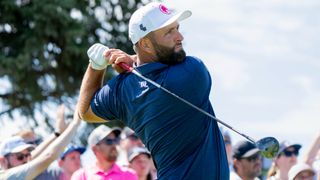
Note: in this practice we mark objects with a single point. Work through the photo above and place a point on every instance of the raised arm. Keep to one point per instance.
(313, 150)
(59, 128)
(91, 82)
(36, 166)
(93, 77)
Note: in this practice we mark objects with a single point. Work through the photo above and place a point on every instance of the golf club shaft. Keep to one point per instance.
(130, 69)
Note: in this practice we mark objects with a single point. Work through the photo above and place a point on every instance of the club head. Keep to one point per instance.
(268, 146)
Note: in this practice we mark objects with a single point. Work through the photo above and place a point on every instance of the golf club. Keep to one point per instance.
(268, 146)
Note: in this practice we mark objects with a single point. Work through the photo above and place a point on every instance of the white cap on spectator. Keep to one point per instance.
(151, 17)
(298, 168)
(101, 132)
(13, 144)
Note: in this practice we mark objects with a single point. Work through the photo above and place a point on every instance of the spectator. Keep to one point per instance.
(128, 140)
(246, 161)
(103, 141)
(228, 146)
(311, 156)
(70, 161)
(15, 165)
(286, 158)
(140, 161)
(301, 171)
(14, 152)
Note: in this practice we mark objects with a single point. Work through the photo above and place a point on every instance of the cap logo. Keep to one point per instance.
(164, 9)
(142, 28)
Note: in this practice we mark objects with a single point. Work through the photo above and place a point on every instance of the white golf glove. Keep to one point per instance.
(96, 56)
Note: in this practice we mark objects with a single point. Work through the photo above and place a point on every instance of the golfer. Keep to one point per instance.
(184, 143)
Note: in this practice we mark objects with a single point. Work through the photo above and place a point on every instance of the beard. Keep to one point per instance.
(112, 155)
(167, 55)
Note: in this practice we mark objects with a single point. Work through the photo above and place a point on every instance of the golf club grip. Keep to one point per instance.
(125, 66)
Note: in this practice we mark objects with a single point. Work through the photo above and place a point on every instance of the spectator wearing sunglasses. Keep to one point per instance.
(246, 161)
(18, 163)
(68, 163)
(103, 141)
(286, 158)
(128, 141)
(14, 152)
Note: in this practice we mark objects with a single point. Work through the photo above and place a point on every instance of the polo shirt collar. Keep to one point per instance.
(150, 67)
(115, 168)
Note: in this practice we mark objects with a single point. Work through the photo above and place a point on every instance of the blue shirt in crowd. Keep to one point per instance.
(184, 143)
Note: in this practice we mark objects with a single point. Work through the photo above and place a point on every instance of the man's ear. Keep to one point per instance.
(94, 149)
(235, 162)
(146, 45)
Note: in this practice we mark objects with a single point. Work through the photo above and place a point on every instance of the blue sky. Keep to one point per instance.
(264, 59)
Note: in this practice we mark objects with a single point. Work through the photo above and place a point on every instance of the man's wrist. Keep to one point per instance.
(57, 134)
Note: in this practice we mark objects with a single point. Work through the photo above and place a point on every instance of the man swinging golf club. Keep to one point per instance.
(184, 143)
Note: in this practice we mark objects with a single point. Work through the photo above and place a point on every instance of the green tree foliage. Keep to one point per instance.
(43, 46)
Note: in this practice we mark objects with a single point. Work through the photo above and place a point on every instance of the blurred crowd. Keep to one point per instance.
(246, 162)
(118, 153)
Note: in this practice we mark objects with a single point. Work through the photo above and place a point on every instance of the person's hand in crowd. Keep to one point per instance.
(61, 124)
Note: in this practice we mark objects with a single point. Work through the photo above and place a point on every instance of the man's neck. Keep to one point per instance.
(105, 166)
(282, 175)
(144, 58)
(242, 176)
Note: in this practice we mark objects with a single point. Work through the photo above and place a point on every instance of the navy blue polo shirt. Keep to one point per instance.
(184, 143)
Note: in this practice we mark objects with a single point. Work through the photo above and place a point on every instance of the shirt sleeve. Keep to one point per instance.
(105, 103)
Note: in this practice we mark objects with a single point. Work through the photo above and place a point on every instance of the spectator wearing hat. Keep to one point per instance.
(14, 152)
(301, 171)
(140, 161)
(312, 156)
(286, 158)
(103, 141)
(129, 140)
(246, 161)
(68, 162)
(18, 163)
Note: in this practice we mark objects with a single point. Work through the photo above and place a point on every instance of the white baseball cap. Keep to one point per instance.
(13, 144)
(298, 168)
(100, 133)
(151, 17)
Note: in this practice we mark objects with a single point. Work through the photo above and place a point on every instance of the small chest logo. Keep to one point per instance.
(164, 9)
(143, 84)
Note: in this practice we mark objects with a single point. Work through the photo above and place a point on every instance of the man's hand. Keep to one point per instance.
(116, 56)
(60, 122)
(101, 56)
(96, 58)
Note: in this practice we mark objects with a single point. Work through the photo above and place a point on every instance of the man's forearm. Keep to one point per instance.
(53, 151)
(91, 82)
(313, 150)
